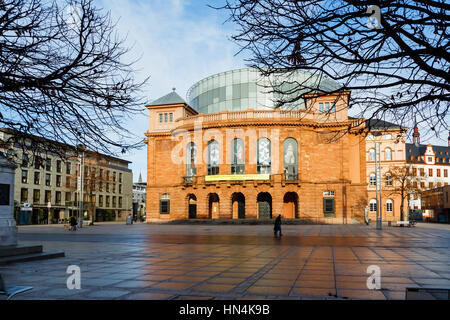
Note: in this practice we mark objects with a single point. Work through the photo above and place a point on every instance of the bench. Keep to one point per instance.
(405, 223)
(10, 292)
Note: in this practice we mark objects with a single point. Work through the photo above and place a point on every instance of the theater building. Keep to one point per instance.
(236, 161)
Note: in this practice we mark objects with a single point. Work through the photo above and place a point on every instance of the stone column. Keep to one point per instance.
(8, 228)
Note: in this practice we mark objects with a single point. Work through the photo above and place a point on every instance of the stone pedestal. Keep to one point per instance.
(8, 229)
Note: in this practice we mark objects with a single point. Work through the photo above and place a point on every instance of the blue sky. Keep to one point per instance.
(179, 42)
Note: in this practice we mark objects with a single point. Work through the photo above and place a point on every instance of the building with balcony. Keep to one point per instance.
(256, 163)
(47, 185)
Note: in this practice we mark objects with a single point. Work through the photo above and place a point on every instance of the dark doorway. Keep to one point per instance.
(290, 205)
(238, 202)
(264, 205)
(192, 203)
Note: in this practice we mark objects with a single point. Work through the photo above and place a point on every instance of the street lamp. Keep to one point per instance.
(378, 177)
(81, 148)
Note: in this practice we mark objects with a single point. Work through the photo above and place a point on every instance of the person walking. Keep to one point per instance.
(277, 226)
(73, 224)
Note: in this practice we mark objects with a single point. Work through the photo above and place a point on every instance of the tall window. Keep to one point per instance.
(387, 154)
(264, 156)
(290, 159)
(213, 157)
(191, 154)
(164, 204)
(48, 164)
(58, 181)
(48, 196)
(373, 179)
(388, 180)
(373, 205)
(24, 176)
(36, 196)
(48, 179)
(58, 197)
(36, 177)
(25, 160)
(58, 166)
(389, 205)
(328, 204)
(37, 162)
(372, 155)
(24, 195)
(430, 172)
(68, 168)
(237, 156)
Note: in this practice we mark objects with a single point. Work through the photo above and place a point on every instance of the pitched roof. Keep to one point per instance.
(419, 150)
(170, 98)
(377, 124)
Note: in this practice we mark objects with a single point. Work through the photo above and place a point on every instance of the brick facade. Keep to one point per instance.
(330, 165)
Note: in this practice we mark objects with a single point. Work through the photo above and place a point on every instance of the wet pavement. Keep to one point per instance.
(233, 262)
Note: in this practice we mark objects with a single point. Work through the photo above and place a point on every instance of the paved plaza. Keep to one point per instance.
(162, 262)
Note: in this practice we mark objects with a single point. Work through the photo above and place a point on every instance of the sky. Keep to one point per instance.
(179, 42)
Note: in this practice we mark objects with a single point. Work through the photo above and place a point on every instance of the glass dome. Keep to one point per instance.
(247, 88)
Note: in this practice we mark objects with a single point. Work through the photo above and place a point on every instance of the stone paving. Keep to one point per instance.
(233, 262)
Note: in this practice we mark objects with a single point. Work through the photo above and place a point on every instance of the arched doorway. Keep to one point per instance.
(264, 205)
(238, 202)
(290, 205)
(192, 205)
(213, 206)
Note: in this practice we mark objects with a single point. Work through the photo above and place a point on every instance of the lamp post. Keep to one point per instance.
(80, 186)
(378, 177)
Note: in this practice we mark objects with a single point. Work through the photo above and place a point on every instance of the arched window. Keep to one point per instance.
(388, 179)
(290, 159)
(191, 153)
(237, 156)
(389, 205)
(213, 157)
(373, 205)
(264, 156)
(388, 154)
(372, 155)
(373, 179)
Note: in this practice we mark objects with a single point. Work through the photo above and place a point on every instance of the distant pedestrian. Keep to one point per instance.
(73, 224)
(277, 226)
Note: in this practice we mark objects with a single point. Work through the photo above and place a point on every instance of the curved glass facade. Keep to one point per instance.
(244, 89)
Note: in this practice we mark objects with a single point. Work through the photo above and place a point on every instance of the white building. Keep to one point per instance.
(139, 197)
(431, 163)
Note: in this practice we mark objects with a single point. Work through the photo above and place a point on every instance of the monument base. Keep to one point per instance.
(8, 232)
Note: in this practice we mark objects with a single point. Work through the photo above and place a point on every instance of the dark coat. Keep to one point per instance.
(73, 221)
(277, 224)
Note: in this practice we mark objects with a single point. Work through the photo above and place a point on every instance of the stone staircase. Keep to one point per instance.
(13, 254)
